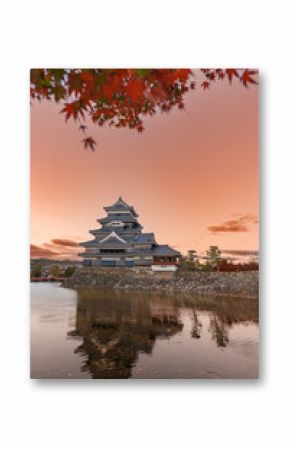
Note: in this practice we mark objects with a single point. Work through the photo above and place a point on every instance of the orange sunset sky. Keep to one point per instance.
(192, 175)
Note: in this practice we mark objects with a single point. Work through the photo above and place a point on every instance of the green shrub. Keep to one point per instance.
(36, 272)
(69, 271)
(55, 271)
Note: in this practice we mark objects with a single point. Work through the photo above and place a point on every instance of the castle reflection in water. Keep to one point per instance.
(114, 329)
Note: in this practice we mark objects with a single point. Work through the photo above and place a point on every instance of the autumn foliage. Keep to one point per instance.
(224, 265)
(121, 98)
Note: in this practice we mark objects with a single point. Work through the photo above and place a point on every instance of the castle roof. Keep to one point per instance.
(122, 206)
(165, 250)
(148, 237)
(124, 217)
(121, 232)
(88, 244)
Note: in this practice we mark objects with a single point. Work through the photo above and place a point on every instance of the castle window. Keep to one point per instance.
(115, 223)
(111, 251)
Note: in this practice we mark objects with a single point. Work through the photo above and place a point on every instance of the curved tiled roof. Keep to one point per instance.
(125, 218)
(128, 238)
(121, 205)
(88, 243)
(148, 237)
(165, 250)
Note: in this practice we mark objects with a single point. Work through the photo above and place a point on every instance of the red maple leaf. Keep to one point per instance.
(89, 142)
(74, 83)
(119, 97)
(246, 77)
(210, 76)
(73, 109)
(135, 89)
(220, 74)
(140, 127)
(205, 85)
(183, 74)
(231, 73)
(86, 76)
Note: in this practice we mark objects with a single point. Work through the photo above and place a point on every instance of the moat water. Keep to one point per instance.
(80, 334)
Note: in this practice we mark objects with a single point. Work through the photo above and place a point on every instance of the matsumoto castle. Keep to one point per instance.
(120, 242)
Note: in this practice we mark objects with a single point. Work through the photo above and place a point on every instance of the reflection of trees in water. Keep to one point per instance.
(224, 313)
(196, 325)
(219, 330)
(116, 329)
(217, 327)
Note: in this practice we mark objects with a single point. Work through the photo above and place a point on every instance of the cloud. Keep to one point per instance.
(61, 250)
(64, 242)
(55, 249)
(40, 252)
(240, 252)
(228, 226)
(242, 223)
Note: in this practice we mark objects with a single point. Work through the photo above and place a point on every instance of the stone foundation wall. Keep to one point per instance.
(223, 283)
